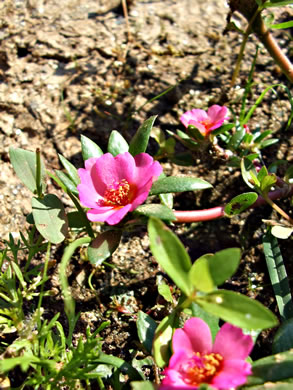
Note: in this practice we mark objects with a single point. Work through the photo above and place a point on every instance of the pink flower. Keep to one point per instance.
(205, 122)
(112, 186)
(196, 360)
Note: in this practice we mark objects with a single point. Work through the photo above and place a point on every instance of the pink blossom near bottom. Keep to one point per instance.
(113, 186)
(197, 360)
(204, 121)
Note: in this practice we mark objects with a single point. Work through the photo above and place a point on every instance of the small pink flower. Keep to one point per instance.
(196, 360)
(204, 121)
(112, 186)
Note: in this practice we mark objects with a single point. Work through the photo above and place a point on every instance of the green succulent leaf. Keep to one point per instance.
(210, 271)
(178, 184)
(162, 339)
(156, 210)
(272, 369)
(71, 170)
(24, 165)
(140, 140)
(237, 309)
(170, 254)
(69, 184)
(117, 144)
(283, 340)
(103, 246)
(143, 385)
(50, 218)
(89, 148)
(240, 203)
(146, 328)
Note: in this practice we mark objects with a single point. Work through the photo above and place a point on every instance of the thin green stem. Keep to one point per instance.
(38, 174)
(278, 209)
(242, 47)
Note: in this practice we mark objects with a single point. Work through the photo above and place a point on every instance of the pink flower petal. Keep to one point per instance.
(146, 169)
(217, 115)
(232, 343)
(87, 191)
(234, 373)
(108, 214)
(194, 336)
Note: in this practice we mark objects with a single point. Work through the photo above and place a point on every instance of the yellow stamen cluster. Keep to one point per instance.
(202, 369)
(117, 194)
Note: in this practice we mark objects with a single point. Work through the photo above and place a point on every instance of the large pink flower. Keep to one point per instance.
(205, 122)
(196, 360)
(112, 186)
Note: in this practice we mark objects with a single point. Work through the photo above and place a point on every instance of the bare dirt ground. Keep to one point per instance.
(70, 69)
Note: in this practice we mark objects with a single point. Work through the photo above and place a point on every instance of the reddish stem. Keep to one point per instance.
(217, 212)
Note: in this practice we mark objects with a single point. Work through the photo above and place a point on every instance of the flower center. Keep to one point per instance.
(207, 123)
(201, 368)
(118, 194)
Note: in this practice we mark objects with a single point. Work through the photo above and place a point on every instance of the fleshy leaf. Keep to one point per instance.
(89, 148)
(210, 271)
(24, 165)
(272, 369)
(117, 144)
(67, 182)
(283, 340)
(50, 218)
(178, 184)
(162, 340)
(71, 170)
(156, 210)
(103, 246)
(143, 385)
(240, 203)
(237, 309)
(140, 140)
(200, 276)
(170, 254)
(146, 328)
(164, 290)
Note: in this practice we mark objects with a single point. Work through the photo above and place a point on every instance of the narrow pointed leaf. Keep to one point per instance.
(89, 148)
(67, 182)
(117, 144)
(170, 254)
(103, 246)
(50, 218)
(140, 140)
(237, 309)
(24, 165)
(178, 184)
(71, 170)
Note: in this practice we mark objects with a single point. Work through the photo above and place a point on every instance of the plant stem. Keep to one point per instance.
(273, 48)
(217, 212)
